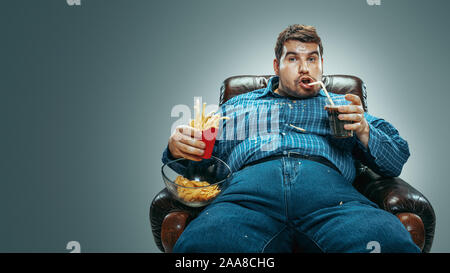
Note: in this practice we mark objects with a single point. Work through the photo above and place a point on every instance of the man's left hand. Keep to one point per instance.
(355, 113)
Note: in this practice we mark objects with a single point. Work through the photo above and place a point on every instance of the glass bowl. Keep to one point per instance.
(196, 183)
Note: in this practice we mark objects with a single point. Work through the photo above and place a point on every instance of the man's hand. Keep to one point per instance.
(355, 112)
(186, 142)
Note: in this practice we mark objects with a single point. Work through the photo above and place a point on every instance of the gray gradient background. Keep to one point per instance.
(86, 95)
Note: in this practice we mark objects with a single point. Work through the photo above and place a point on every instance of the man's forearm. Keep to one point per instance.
(385, 150)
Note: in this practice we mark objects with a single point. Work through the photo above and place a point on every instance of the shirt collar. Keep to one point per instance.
(273, 85)
(322, 93)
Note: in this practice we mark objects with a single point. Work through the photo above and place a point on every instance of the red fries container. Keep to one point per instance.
(209, 138)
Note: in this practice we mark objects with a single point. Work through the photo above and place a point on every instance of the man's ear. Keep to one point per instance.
(276, 67)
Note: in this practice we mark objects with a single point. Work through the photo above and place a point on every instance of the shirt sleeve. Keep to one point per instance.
(387, 152)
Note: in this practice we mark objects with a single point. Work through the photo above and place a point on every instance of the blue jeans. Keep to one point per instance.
(292, 203)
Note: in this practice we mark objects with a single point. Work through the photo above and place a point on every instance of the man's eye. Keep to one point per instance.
(312, 59)
(291, 59)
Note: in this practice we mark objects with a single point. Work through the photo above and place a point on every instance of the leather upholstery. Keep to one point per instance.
(398, 197)
(162, 205)
(168, 217)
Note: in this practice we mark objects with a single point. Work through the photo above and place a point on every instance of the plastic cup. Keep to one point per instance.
(209, 138)
(337, 125)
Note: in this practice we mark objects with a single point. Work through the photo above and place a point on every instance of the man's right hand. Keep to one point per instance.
(186, 142)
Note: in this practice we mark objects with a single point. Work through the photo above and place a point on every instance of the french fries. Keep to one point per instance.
(204, 122)
(195, 195)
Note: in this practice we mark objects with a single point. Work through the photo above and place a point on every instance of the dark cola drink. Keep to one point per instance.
(337, 125)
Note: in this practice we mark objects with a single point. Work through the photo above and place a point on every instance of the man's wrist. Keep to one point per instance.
(364, 135)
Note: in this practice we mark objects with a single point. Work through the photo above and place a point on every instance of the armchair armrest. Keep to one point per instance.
(168, 218)
(401, 199)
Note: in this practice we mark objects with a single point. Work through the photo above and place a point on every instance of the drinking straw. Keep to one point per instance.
(324, 89)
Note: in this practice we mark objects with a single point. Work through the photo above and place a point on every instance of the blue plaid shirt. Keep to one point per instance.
(260, 126)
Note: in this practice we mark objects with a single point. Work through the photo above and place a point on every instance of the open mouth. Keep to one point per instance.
(305, 81)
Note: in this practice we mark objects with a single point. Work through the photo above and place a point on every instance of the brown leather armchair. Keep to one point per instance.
(168, 217)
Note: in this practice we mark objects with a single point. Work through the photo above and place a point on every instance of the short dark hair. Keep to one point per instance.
(302, 33)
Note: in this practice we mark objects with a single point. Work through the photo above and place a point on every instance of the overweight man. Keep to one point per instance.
(292, 187)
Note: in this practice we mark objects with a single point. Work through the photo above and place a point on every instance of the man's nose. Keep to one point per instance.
(303, 67)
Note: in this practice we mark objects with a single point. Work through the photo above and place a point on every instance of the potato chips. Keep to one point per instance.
(191, 194)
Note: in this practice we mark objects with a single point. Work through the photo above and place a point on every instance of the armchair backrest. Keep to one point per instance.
(339, 84)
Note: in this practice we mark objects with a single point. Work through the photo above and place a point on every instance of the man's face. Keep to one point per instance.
(300, 64)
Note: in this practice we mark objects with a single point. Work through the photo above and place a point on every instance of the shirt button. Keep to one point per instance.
(284, 152)
(283, 133)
